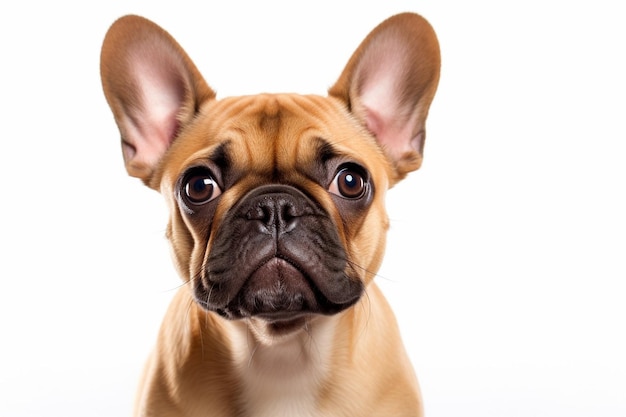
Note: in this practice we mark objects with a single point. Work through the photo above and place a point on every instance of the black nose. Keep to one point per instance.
(277, 209)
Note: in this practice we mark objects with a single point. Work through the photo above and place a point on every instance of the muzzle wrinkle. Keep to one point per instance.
(288, 258)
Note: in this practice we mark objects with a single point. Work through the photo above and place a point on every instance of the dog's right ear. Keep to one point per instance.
(152, 87)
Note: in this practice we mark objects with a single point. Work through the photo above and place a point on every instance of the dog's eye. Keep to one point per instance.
(200, 187)
(350, 182)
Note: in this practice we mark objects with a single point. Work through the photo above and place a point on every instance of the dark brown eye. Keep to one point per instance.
(350, 182)
(200, 187)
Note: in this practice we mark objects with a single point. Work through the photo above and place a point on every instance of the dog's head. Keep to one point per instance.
(276, 201)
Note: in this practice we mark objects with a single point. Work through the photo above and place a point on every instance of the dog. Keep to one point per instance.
(277, 225)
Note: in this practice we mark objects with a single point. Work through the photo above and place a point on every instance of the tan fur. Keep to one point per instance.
(351, 363)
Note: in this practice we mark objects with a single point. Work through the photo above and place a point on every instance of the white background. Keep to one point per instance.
(507, 256)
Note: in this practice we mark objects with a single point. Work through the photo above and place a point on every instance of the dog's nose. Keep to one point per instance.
(277, 210)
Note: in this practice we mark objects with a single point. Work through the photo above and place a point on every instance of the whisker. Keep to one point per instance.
(253, 350)
(176, 287)
(366, 271)
(367, 312)
(312, 343)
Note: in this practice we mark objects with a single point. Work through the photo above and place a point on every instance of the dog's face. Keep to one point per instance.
(277, 206)
(276, 201)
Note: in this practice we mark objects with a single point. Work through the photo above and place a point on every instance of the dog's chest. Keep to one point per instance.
(285, 379)
(279, 396)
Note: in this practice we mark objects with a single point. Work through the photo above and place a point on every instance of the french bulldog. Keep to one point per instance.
(277, 225)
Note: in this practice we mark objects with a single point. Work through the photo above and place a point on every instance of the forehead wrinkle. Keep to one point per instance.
(277, 130)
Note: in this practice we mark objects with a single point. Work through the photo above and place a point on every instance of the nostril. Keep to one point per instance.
(289, 217)
(288, 211)
(260, 212)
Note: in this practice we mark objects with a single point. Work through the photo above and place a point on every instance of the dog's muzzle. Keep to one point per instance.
(276, 256)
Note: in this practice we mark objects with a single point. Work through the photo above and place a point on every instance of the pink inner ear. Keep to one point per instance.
(384, 78)
(154, 122)
(394, 133)
(381, 94)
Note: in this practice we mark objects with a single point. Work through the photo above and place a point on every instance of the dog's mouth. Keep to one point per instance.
(281, 294)
(277, 289)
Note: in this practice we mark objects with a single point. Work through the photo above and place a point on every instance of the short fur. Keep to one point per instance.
(277, 225)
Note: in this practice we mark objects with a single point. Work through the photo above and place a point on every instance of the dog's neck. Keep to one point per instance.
(283, 376)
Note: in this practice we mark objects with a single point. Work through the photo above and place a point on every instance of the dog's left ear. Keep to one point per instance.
(389, 83)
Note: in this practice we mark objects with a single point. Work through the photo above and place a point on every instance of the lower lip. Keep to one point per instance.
(282, 317)
(287, 326)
